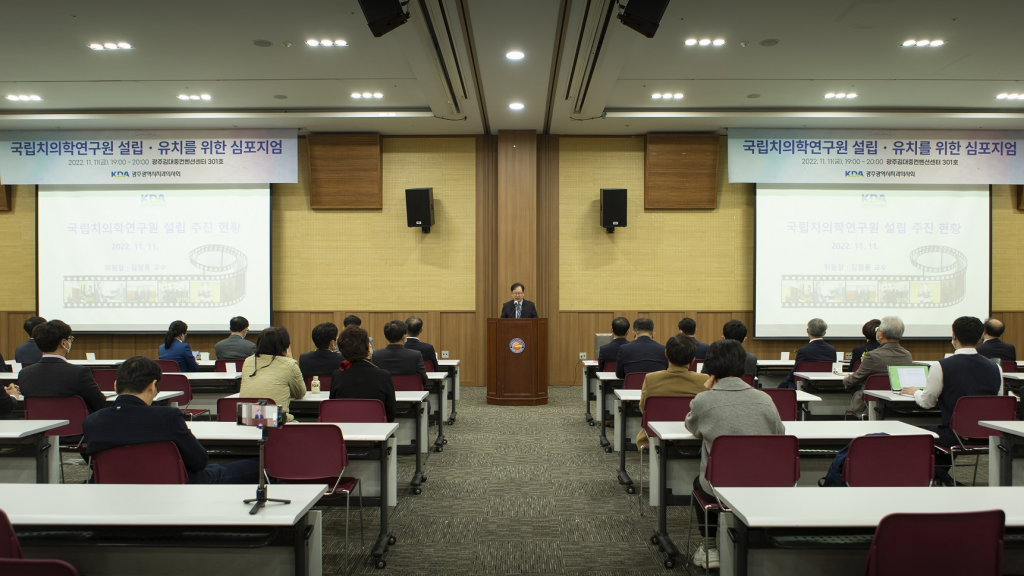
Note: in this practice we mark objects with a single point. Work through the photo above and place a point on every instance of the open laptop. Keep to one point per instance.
(901, 377)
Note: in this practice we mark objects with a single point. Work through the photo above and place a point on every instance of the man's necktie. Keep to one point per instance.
(519, 309)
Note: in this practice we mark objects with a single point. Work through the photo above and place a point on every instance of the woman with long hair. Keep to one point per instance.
(271, 372)
(175, 348)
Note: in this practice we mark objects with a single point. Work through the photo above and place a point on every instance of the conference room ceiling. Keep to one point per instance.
(445, 71)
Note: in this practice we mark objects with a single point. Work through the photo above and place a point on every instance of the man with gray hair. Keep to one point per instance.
(817, 350)
(877, 361)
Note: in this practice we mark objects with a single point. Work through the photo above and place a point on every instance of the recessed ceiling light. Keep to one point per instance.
(666, 95)
(378, 95)
(704, 41)
(327, 43)
(367, 95)
(515, 55)
(206, 97)
(677, 95)
(111, 46)
(516, 106)
(182, 96)
(23, 97)
(96, 46)
(932, 43)
(830, 95)
(193, 97)
(1013, 96)
(656, 96)
(851, 95)
(910, 42)
(840, 95)
(690, 41)
(312, 42)
(1002, 96)
(340, 43)
(937, 42)
(357, 95)
(34, 98)
(124, 45)
(718, 42)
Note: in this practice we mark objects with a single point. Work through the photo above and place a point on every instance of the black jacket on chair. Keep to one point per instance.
(508, 309)
(319, 362)
(399, 360)
(427, 350)
(641, 355)
(364, 380)
(56, 378)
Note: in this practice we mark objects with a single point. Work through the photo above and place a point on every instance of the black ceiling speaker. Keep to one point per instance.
(613, 208)
(419, 208)
(644, 16)
(383, 16)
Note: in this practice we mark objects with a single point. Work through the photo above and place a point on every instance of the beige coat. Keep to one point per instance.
(277, 378)
(676, 381)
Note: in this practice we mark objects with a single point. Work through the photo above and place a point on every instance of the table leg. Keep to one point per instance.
(418, 478)
(620, 421)
(873, 408)
(42, 459)
(442, 395)
(586, 398)
(600, 414)
(661, 537)
(741, 547)
(385, 538)
(301, 560)
(455, 394)
(1000, 459)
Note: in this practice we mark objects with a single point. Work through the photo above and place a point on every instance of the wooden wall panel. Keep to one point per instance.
(681, 171)
(18, 246)
(517, 210)
(5, 197)
(345, 171)
(547, 243)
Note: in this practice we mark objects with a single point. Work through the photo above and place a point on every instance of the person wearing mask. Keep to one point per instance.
(325, 359)
(53, 376)
(175, 348)
(29, 352)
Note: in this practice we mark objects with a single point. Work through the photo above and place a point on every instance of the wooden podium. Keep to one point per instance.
(517, 361)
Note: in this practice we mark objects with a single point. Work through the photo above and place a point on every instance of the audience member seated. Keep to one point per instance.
(325, 359)
(271, 372)
(358, 377)
(965, 373)
(610, 352)
(868, 330)
(415, 325)
(643, 354)
(677, 380)
(730, 406)
(994, 348)
(235, 346)
(29, 352)
(877, 361)
(395, 357)
(133, 420)
(737, 330)
(353, 320)
(174, 347)
(815, 351)
(688, 326)
(9, 401)
(53, 376)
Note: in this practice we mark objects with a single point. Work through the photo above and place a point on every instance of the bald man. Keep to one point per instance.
(992, 346)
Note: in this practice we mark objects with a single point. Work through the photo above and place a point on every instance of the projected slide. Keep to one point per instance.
(135, 259)
(850, 254)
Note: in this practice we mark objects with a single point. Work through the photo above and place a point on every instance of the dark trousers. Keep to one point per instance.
(710, 517)
(946, 439)
(240, 472)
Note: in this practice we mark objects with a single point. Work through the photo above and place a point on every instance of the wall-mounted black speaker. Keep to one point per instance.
(419, 208)
(644, 16)
(383, 16)
(613, 208)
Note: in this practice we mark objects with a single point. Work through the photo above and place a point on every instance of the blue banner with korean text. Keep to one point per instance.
(150, 157)
(875, 156)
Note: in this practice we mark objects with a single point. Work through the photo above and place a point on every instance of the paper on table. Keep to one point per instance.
(15, 367)
(700, 367)
(90, 355)
(229, 367)
(204, 356)
(839, 356)
(837, 367)
(784, 356)
(912, 377)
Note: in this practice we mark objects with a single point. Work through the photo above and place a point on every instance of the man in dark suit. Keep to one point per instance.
(993, 347)
(235, 346)
(53, 376)
(133, 420)
(29, 352)
(643, 354)
(688, 326)
(395, 357)
(324, 360)
(517, 307)
(815, 350)
(610, 351)
(412, 342)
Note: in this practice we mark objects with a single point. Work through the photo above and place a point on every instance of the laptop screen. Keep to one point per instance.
(901, 377)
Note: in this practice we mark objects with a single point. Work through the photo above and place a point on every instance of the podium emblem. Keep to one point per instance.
(517, 345)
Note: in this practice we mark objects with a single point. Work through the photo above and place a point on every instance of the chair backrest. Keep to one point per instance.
(352, 410)
(70, 408)
(177, 383)
(814, 366)
(635, 381)
(325, 381)
(876, 382)
(693, 365)
(148, 463)
(785, 402)
(227, 411)
(1008, 365)
(429, 365)
(105, 379)
(298, 452)
(610, 366)
(168, 366)
(407, 382)
(221, 365)
(753, 461)
(664, 409)
(884, 461)
(854, 366)
(748, 378)
(970, 409)
(958, 543)
(9, 546)
(26, 567)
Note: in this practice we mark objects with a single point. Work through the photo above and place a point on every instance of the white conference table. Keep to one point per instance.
(1001, 470)
(811, 434)
(451, 366)
(589, 388)
(888, 397)
(28, 441)
(144, 533)
(816, 511)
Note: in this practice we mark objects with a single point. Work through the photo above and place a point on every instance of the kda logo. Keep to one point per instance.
(854, 174)
(153, 200)
(873, 199)
(118, 174)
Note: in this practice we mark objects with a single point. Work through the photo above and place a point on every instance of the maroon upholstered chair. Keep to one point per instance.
(634, 381)
(179, 383)
(26, 567)
(352, 410)
(973, 542)
(972, 438)
(148, 463)
(168, 366)
(105, 379)
(9, 546)
(222, 365)
(407, 382)
(884, 461)
(785, 402)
